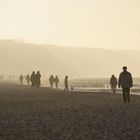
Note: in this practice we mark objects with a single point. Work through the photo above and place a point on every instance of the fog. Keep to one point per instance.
(89, 23)
(17, 58)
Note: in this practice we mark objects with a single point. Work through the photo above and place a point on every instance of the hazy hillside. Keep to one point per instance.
(78, 62)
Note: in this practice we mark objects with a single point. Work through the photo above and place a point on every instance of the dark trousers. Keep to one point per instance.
(113, 89)
(126, 94)
(66, 88)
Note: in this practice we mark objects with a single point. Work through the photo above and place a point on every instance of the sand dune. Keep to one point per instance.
(45, 114)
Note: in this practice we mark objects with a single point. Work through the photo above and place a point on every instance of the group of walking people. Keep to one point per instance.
(55, 80)
(125, 82)
(35, 80)
(26, 78)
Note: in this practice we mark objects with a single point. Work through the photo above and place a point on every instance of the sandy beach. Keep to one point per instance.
(45, 114)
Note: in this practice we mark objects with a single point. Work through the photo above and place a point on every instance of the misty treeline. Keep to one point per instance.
(17, 58)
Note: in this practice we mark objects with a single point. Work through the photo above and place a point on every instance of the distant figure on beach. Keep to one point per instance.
(125, 82)
(51, 80)
(113, 83)
(56, 81)
(38, 81)
(21, 79)
(33, 79)
(66, 84)
(27, 77)
(1, 77)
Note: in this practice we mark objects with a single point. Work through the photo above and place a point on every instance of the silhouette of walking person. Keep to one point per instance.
(56, 81)
(33, 79)
(66, 84)
(113, 83)
(38, 81)
(27, 79)
(21, 79)
(125, 82)
(51, 80)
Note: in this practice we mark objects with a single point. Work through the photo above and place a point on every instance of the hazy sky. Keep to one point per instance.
(88, 23)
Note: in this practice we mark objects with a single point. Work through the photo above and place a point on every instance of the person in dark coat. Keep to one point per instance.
(56, 81)
(125, 82)
(38, 81)
(33, 79)
(21, 79)
(27, 77)
(66, 84)
(113, 83)
(51, 80)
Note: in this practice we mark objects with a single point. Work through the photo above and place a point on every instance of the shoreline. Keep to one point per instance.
(77, 89)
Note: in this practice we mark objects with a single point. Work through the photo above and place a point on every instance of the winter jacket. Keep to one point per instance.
(125, 80)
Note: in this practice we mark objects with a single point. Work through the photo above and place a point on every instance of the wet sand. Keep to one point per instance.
(46, 114)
